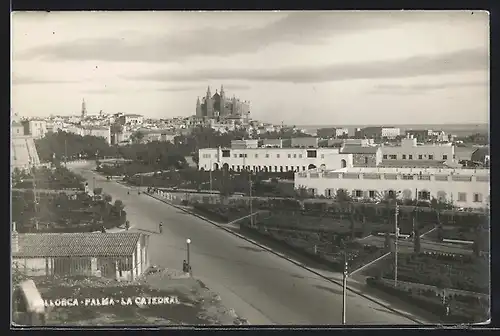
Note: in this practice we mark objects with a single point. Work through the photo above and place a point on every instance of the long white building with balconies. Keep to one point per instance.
(467, 188)
(273, 159)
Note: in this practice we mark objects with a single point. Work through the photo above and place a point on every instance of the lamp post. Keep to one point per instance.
(188, 242)
(344, 289)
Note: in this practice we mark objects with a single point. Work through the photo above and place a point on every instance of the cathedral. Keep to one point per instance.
(219, 105)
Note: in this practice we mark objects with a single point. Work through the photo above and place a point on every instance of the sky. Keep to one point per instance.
(302, 68)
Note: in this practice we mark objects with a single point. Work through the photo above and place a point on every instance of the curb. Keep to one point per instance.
(292, 261)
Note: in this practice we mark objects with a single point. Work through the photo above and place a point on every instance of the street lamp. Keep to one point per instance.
(188, 242)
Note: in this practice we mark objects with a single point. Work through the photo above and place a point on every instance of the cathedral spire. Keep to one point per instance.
(84, 108)
(209, 94)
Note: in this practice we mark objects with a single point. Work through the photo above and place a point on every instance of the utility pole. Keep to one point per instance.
(251, 205)
(396, 235)
(210, 173)
(344, 289)
(65, 153)
(35, 198)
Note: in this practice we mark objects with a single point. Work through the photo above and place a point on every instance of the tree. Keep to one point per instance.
(342, 196)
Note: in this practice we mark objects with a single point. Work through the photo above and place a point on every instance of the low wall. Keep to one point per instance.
(448, 291)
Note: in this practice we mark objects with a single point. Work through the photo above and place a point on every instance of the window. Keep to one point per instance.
(407, 177)
(294, 156)
(404, 156)
(478, 198)
(245, 155)
(393, 157)
(445, 157)
(384, 157)
(232, 167)
(277, 156)
(256, 156)
(410, 157)
(281, 169)
(462, 197)
(226, 153)
(454, 156)
(303, 168)
(420, 157)
(424, 195)
(358, 193)
(322, 156)
(366, 160)
(300, 156)
(371, 193)
(241, 155)
(275, 168)
(312, 154)
(298, 168)
(267, 156)
(235, 156)
(289, 156)
(431, 157)
(254, 169)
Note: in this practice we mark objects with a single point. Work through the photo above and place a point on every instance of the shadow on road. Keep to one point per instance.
(332, 290)
(252, 249)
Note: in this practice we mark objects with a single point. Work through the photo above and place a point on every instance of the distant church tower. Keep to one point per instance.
(199, 112)
(209, 104)
(84, 109)
(222, 107)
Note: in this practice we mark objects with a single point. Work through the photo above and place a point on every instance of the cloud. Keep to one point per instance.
(463, 60)
(298, 28)
(422, 88)
(21, 80)
(179, 88)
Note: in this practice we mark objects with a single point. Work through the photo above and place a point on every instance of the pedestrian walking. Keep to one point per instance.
(160, 227)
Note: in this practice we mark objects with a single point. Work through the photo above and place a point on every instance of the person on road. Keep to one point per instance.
(127, 225)
(184, 266)
(161, 227)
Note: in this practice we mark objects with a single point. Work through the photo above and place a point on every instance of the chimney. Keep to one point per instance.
(15, 238)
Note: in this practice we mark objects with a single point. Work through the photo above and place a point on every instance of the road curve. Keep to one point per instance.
(259, 285)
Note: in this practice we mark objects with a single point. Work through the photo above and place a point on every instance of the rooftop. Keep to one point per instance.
(359, 149)
(77, 244)
(412, 171)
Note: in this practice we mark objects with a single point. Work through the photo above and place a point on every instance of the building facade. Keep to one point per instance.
(35, 128)
(390, 132)
(131, 119)
(119, 256)
(410, 154)
(16, 129)
(272, 159)
(101, 132)
(219, 105)
(466, 188)
(363, 156)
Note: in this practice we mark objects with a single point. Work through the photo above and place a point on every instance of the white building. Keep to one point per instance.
(131, 119)
(390, 132)
(410, 154)
(339, 132)
(468, 188)
(36, 128)
(272, 159)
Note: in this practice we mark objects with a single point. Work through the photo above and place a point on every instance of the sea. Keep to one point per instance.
(456, 129)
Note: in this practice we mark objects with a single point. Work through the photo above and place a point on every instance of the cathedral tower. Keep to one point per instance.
(84, 109)
(199, 113)
(209, 104)
(222, 108)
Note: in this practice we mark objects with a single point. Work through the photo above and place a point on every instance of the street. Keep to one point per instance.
(260, 286)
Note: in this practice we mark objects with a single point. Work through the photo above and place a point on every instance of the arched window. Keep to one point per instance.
(343, 163)
(311, 166)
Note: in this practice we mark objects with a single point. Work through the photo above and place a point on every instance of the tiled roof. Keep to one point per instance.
(360, 150)
(77, 244)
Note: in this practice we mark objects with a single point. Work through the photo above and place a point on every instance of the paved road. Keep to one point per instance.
(259, 285)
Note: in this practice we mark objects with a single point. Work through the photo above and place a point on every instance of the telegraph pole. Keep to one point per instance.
(35, 199)
(396, 235)
(344, 289)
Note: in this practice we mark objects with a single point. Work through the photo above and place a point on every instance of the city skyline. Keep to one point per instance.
(299, 67)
